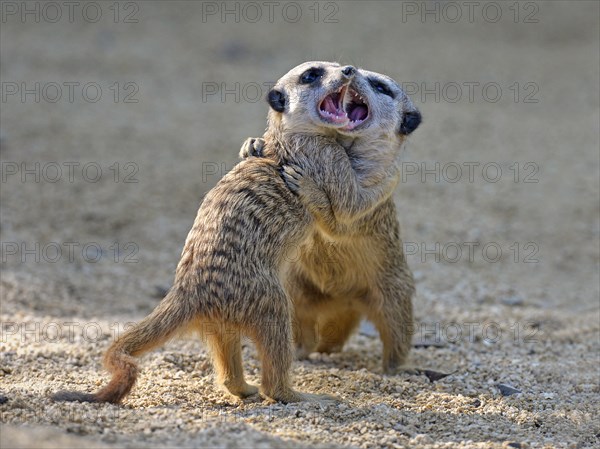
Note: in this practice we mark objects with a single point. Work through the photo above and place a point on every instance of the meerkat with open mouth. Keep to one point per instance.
(237, 258)
(353, 266)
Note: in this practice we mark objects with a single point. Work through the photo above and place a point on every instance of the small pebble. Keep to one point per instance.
(513, 300)
(512, 444)
(435, 375)
(507, 390)
(422, 439)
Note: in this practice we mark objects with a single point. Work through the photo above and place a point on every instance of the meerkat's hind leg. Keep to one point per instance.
(274, 343)
(334, 331)
(305, 333)
(394, 321)
(226, 349)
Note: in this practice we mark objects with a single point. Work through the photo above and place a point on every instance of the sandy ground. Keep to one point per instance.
(521, 308)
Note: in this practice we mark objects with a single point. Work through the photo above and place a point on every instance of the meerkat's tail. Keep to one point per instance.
(173, 312)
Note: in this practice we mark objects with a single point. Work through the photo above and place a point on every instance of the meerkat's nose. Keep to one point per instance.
(348, 71)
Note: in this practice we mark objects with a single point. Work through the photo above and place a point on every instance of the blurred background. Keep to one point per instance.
(117, 118)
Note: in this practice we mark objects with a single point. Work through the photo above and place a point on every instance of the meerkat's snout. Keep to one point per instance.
(349, 71)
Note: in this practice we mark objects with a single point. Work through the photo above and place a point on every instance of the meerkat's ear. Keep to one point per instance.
(410, 121)
(277, 100)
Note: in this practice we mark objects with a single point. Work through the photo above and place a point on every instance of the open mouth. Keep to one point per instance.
(344, 107)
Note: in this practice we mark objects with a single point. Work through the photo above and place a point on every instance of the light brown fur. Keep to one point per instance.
(232, 279)
(353, 266)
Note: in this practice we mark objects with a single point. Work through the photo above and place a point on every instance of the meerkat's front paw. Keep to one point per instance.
(292, 176)
(253, 146)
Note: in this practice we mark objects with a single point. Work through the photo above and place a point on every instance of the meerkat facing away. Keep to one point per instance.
(354, 267)
(231, 278)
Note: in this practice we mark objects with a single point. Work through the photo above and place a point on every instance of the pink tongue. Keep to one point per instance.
(330, 105)
(358, 113)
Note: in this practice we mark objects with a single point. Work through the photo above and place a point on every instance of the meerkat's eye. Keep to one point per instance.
(380, 87)
(311, 75)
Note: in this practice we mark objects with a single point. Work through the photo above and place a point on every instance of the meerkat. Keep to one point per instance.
(354, 266)
(232, 276)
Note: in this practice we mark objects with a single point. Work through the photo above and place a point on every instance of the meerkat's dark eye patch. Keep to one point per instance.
(311, 75)
(276, 100)
(381, 87)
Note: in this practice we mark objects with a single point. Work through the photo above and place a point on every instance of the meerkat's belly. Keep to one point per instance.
(340, 267)
(349, 265)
